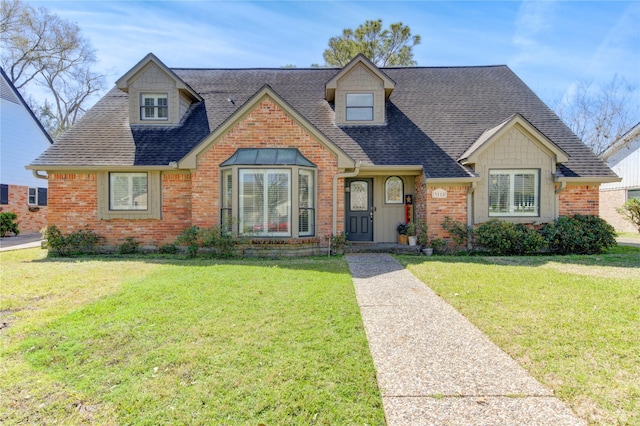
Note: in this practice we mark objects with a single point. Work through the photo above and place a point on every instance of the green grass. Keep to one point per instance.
(572, 321)
(153, 341)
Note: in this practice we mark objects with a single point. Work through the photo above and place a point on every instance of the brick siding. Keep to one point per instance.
(579, 199)
(28, 221)
(454, 206)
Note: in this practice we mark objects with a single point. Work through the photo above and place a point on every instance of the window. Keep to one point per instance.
(4, 194)
(394, 190)
(359, 106)
(513, 192)
(306, 210)
(265, 202)
(33, 196)
(226, 209)
(154, 106)
(633, 193)
(128, 191)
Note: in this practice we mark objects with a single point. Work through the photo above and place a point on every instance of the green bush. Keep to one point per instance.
(130, 246)
(8, 224)
(220, 240)
(579, 234)
(631, 212)
(461, 233)
(168, 249)
(502, 238)
(77, 242)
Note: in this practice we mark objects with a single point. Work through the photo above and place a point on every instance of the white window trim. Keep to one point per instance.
(512, 212)
(155, 106)
(35, 196)
(130, 176)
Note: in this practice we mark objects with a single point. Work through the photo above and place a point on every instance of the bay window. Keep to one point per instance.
(269, 192)
(514, 192)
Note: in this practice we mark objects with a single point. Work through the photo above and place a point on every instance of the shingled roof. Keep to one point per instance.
(433, 116)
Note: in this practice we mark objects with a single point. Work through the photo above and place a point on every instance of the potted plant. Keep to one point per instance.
(411, 232)
(402, 233)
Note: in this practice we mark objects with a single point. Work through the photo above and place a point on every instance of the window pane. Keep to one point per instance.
(306, 213)
(359, 114)
(154, 106)
(128, 191)
(633, 193)
(265, 202)
(359, 199)
(360, 99)
(33, 198)
(513, 193)
(393, 188)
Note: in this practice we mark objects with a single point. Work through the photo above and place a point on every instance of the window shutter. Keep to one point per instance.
(42, 196)
(4, 194)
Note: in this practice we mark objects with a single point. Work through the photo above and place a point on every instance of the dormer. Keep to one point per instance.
(359, 92)
(157, 96)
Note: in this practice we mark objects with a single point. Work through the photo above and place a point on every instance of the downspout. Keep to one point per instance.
(334, 224)
(470, 192)
(558, 190)
(35, 173)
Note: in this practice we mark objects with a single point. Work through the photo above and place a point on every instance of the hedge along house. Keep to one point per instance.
(293, 155)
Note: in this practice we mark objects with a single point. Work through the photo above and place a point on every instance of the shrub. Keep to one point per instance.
(168, 249)
(220, 240)
(579, 234)
(506, 239)
(461, 234)
(439, 246)
(130, 246)
(631, 212)
(337, 242)
(80, 241)
(8, 224)
(189, 238)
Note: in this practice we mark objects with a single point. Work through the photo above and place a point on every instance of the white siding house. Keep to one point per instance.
(623, 157)
(22, 139)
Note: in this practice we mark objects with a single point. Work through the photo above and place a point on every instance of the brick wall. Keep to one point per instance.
(28, 221)
(73, 204)
(609, 201)
(454, 206)
(579, 199)
(267, 126)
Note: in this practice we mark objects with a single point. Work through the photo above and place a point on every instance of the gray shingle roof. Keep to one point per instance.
(433, 116)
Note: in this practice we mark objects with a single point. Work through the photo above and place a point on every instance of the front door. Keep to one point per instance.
(359, 210)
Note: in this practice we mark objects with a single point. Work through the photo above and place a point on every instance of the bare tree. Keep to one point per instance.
(599, 115)
(41, 49)
(385, 48)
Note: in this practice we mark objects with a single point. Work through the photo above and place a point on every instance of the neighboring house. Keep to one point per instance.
(22, 139)
(623, 156)
(293, 155)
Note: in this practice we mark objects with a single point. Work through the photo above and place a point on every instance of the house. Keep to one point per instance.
(22, 139)
(293, 155)
(623, 156)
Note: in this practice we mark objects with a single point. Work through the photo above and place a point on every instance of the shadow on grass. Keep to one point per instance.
(620, 256)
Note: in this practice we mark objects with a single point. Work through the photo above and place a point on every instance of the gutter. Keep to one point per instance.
(334, 223)
(39, 176)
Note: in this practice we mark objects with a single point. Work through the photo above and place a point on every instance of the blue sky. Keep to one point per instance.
(549, 44)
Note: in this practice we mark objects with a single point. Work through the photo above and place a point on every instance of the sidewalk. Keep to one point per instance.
(433, 366)
(20, 242)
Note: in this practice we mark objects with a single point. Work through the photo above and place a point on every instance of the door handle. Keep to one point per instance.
(371, 215)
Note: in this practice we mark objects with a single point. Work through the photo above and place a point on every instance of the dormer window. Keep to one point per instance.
(359, 107)
(154, 106)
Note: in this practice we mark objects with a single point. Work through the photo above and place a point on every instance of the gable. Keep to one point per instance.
(265, 120)
(509, 130)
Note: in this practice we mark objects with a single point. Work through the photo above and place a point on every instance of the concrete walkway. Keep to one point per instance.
(21, 241)
(433, 366)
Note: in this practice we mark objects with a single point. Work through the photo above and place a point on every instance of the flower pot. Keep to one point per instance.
(428, 251)
(402, 239)
(413, 240)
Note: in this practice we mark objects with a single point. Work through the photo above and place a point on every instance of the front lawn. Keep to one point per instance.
(156, 341)
(572, 321)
